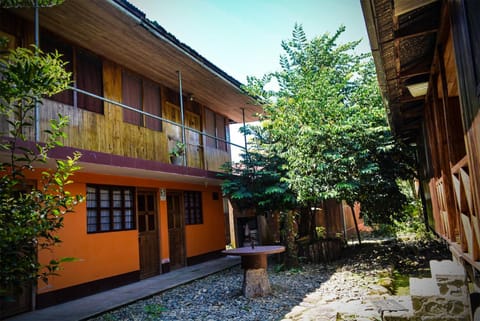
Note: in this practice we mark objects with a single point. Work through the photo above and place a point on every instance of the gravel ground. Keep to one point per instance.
(219, 297)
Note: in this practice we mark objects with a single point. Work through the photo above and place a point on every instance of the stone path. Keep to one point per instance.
(365, 277)
(338, 291)
(345, 293)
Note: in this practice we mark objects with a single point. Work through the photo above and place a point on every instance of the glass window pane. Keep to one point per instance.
(91, 220)
(91, 197)
(117, 219)
(129, 223)
(128, 198)
(104, 198)
(104, 220)
(117, 198)
(109, 208)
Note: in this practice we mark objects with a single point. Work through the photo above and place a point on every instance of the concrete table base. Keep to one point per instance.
(254, 264)
(256, 283)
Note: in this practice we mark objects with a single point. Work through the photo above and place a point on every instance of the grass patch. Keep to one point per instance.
(401, 283)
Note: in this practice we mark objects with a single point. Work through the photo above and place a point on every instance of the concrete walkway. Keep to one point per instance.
(90, 306)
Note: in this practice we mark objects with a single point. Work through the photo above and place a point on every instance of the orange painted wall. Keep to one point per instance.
(209, 236)
(200, 238)
(102, 255)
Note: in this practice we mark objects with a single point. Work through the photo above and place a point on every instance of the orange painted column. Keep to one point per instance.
(163, 227)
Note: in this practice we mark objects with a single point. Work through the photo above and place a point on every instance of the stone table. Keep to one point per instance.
(254, 264)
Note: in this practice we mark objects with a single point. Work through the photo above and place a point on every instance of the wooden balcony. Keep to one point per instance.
(108, 133)
(464, 203)
(466, 241)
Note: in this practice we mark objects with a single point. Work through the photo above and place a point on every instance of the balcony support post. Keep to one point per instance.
(182, 115)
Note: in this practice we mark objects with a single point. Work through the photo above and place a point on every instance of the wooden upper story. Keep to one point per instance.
(134, 72)
(427, 54)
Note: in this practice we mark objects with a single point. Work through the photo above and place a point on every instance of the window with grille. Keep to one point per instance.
(110, 208)
(193, 208)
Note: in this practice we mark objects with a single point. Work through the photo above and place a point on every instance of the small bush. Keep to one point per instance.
(154, 310)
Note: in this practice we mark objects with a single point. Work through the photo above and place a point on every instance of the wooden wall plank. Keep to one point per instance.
(108, 133)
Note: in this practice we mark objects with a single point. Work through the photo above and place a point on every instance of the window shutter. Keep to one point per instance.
(152, 105)
(131, 96)
(89, 78)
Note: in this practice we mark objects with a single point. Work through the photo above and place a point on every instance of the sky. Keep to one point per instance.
(243, 37)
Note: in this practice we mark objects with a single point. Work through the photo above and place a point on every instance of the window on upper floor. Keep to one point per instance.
(215, 125)
(143, 95)
(193, 208)
(89, 78)
(110, 208)
(86, 69)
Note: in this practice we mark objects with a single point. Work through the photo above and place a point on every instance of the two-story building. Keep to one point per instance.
(137, 91)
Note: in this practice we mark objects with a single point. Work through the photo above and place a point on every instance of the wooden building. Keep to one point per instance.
(134, 86)
(427, 55)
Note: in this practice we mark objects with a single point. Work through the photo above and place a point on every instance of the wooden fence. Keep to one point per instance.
(323, 250)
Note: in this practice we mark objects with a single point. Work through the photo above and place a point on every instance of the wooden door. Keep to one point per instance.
(176, 230)
(147, 234)
(194, 141)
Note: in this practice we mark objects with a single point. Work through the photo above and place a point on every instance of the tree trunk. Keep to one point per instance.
(313, 226)
(291, 255)
(356, 225)
(424, 208)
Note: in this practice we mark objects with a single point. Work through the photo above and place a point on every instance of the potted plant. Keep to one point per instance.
(177, 153)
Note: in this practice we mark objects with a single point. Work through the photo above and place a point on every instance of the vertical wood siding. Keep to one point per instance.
(110, 133)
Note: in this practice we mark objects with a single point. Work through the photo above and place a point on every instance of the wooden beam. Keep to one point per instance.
(421, 67)
(404, 6)
(405, 75)
(412, 115)
(423, 20)
(413, 123)
(449, 204)
(396, 48)
(410, 99)
(406, 33)
(443, 78)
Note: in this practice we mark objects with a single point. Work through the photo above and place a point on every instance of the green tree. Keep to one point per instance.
(256, 183)
(328, 123)
(30, 213)
(29, 3)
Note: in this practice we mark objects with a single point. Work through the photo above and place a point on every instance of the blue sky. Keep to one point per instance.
(243, 37)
